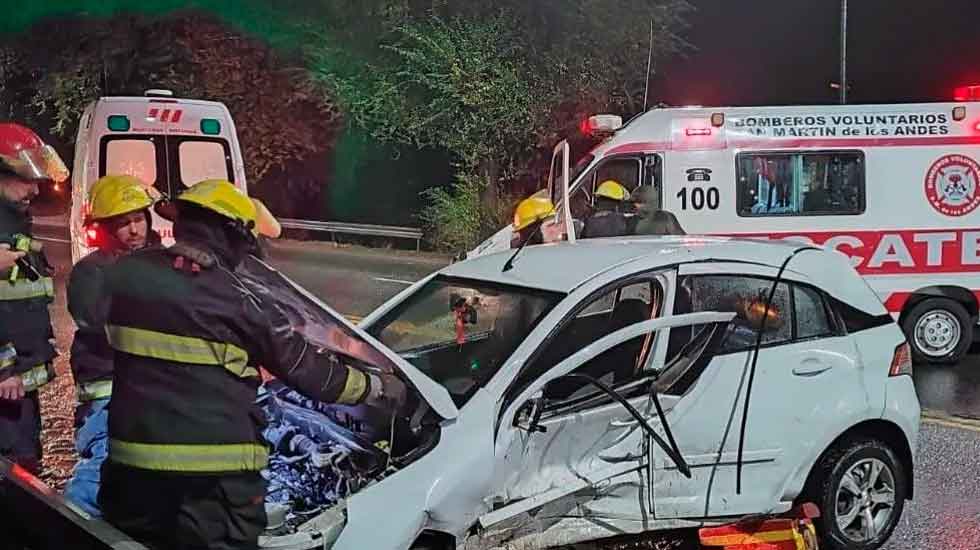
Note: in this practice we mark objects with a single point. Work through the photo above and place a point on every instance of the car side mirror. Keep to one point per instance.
(528, 416)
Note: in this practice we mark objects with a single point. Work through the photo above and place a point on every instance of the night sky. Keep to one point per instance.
(777, 52)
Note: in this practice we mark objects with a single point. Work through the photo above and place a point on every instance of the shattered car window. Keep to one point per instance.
(746, 296)
(459, 332)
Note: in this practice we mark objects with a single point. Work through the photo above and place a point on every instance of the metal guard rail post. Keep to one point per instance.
(356, 229)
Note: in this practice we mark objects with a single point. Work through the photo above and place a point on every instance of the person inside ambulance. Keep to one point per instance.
(650, 219)
(609, 218)
(26, 335)
(120, 217)
(528, 217)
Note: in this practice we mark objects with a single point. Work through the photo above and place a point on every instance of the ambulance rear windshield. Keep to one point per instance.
(169, 163)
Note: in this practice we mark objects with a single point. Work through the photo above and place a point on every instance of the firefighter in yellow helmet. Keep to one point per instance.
(528, 216)
(120, 217)
(609, 218)
(185, 433)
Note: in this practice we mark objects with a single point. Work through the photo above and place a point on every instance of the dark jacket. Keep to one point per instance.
(88, 304)
(24, 315)
(605, 223)
(188, 336)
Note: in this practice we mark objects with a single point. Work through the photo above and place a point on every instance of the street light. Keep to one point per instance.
(843, 52)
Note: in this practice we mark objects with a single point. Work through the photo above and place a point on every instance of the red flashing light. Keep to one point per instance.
(967, 93)
(976, 127)
(585, 127)
(91, 237)
(698, 131)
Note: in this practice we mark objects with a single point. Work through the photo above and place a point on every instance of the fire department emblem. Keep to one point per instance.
(951, 185)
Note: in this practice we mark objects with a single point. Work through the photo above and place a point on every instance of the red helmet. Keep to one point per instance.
(23, 153)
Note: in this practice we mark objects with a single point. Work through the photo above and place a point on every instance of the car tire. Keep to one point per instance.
(939, 330)
(844, 469)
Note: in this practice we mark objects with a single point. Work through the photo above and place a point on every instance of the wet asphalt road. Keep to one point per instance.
(945, 514)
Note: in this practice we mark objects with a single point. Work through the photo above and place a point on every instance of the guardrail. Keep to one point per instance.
(356, 229)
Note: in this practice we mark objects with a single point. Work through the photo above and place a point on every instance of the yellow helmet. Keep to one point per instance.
(532, 209)
(611, 189)
(117, 195)
(223, 198)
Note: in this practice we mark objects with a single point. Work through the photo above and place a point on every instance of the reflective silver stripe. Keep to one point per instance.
(90, 391)
(35, 378)
(23, 289)
(233, 457)
(8, 356)
(180, 349)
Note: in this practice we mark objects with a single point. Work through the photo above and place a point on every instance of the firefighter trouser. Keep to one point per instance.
(184, 512)
(20, 431)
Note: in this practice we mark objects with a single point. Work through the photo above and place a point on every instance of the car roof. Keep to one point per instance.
(563, 267)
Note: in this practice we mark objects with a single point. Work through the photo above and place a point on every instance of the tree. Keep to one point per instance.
(281, 119)
(497, 83)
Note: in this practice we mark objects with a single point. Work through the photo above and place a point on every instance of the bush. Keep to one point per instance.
(459, 218)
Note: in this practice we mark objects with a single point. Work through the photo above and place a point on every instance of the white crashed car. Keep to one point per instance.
(610, 387)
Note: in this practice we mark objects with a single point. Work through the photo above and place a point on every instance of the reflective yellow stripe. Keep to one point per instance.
(354, 388)
(181, 349)
(232, 457)
(90, 391)
(8, 356)
(23, 289)
(35, 378)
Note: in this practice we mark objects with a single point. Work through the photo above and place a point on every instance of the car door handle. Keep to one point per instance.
(811, 367)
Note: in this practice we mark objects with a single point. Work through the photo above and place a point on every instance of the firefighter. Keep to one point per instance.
(185, 433)
(120, 215)
(528, 213)
(26, 290)
(608, 220)
(650, 219)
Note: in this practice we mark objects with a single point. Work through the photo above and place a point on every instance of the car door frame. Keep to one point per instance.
(506, 420)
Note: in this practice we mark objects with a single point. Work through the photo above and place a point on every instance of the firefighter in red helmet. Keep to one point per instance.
(26, 290)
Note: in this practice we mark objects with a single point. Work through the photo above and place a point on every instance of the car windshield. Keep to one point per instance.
(459, 332)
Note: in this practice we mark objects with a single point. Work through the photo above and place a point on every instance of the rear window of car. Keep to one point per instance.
(797, 312)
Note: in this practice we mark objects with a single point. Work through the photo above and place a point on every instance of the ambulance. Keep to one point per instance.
(168, 143)
(893, 187)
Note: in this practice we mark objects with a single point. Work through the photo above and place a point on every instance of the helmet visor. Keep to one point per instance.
(39, 164)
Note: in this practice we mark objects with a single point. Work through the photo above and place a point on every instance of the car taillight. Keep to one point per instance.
(901, 361)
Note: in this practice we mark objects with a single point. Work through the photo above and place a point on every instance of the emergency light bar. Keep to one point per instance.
(967, 93)
(601, 124)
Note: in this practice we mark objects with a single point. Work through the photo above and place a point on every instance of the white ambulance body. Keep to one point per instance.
(168, 143)
(894, 187)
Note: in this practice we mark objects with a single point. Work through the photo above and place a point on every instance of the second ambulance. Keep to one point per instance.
(893, 187)
(166, 142)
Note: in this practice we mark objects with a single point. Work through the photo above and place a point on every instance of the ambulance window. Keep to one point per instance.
(625, 171)
(817, 183)
(202, 160)
(135, 157)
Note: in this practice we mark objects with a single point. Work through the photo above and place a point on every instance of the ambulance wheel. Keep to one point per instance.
(939, 330)
(859, 486)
